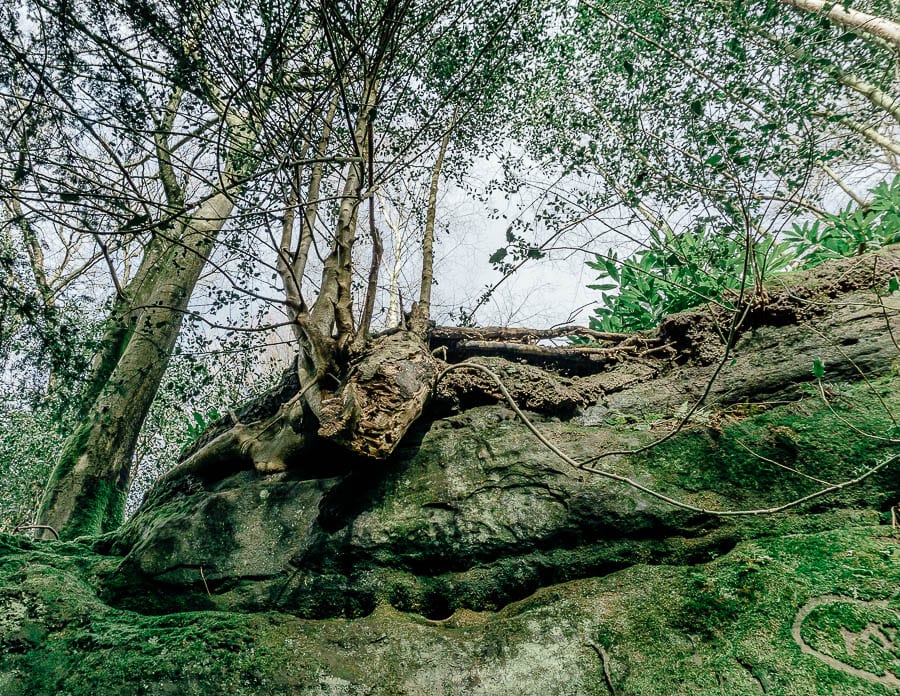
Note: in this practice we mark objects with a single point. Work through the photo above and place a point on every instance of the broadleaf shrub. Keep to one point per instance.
(679, 270)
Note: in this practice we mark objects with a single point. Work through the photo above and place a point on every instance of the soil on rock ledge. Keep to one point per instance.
(474, 561)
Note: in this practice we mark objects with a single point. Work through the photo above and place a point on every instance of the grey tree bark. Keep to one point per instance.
(86, 492)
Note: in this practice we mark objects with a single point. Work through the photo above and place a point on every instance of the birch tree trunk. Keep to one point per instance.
(422, 312)
(840, 13)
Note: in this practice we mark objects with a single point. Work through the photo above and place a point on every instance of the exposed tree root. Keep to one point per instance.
(521, 344)
(47, 527)
(604, 659)
(267, 444)
(649, 491)
(442, 335)
(382, 396)
(871, 631)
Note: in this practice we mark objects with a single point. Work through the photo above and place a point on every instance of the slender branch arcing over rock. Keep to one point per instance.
(649, 491)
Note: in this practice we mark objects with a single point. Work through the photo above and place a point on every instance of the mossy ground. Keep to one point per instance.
(723, 627)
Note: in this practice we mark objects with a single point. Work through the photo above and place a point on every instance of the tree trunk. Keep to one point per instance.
(422, 312)
(842, 14)
(87, 488)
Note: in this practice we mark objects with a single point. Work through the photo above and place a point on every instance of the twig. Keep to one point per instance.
(783, 466)
(892, 440)
(887, 323)
(884, 312)
(856, 367)
(651, 351)
(37, 526)
(203, 578)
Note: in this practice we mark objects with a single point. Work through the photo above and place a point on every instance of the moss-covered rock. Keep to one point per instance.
(473, 513)
(793, 615)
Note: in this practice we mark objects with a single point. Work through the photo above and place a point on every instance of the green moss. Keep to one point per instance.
(71, 451)
(100, 503)
(117, 334)
(831, 444)
(99, 507)
(720, 627)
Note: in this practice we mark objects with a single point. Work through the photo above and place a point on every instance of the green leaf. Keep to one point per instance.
(696, 108)
(893, 285)
(818, 369)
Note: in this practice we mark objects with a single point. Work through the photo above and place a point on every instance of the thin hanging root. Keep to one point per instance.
(604, 658)
(649, 491)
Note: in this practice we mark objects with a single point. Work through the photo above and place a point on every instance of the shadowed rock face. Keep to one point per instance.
(473, 512)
